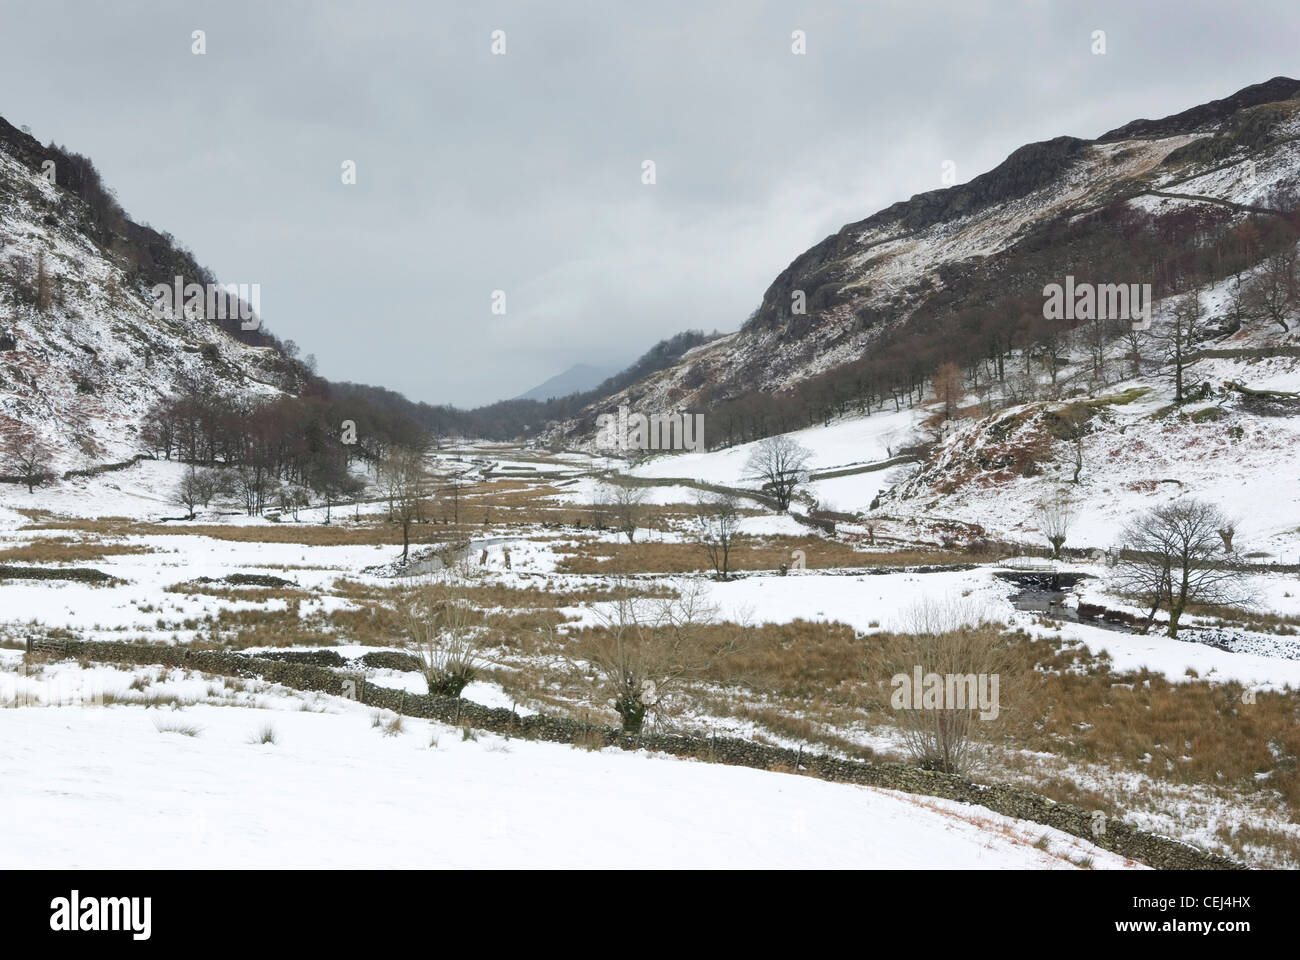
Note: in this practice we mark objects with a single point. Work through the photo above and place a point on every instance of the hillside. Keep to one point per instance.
(579, 378)
(957, 274)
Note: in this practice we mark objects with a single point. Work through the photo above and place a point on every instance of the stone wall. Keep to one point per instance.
(82, 574)
(1117, 836)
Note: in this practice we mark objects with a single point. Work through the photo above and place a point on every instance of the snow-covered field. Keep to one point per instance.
(103, 787)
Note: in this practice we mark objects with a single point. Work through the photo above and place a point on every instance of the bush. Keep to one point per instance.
(441, 622)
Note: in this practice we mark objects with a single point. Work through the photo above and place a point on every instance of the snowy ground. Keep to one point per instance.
(114, 790)
(103, 787)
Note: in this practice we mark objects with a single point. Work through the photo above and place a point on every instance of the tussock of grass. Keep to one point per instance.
(176, 726)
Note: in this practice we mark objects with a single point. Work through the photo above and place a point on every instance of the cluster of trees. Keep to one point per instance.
(273, 450)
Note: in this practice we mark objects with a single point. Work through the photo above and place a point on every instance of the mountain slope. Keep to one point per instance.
(579, 378)
(899, 287)
(82, 356)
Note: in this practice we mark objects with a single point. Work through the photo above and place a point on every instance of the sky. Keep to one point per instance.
(524, 171)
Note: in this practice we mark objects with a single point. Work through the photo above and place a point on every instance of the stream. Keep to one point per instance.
(1045, 593)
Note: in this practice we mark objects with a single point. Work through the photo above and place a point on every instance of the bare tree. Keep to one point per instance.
(195, 487)
(1132, 340)
(1072, 425)
(454, 486)
(948, 388)
(599, 506)
(404, 473)
(1275, 290)
(1049, 350)
(781, 463)
(293, 498)
(30, 462)
(646, 650)
(1096, 335)
(1169, 557)
(1176, 340)
(390, 474)
(718, 519)
(627, 504)
(1056, 516)
(44, 295)
(948, 670)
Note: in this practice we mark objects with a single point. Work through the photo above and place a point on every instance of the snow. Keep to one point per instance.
(101, 325)
(104, 787)
(845, 444)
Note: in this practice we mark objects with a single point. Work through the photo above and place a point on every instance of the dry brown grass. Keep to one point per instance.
(532, 598)
(488, 595)
(1262, 621)
(68, 550)
(367, 531)
(808, 682)
(511, 502)
(1249, 840)
(1191, 732)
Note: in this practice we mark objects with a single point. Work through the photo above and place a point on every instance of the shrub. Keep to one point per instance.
(441, 621)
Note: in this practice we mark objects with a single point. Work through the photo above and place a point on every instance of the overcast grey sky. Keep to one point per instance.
(522, 172)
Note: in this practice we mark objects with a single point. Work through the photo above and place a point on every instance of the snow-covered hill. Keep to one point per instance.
(945, 250)
(82, 355)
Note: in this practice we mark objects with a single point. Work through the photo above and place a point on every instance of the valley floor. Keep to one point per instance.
(117, 785)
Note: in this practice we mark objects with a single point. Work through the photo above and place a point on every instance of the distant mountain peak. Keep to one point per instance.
(579, 378)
